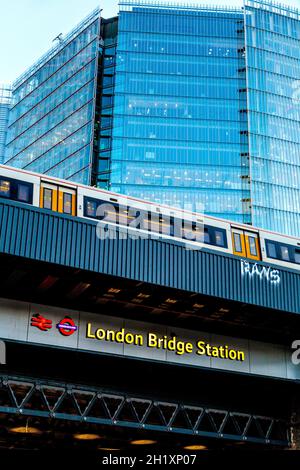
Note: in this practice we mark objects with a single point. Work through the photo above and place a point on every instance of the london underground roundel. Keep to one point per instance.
(66, 326)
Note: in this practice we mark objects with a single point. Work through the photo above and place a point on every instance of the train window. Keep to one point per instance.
(90, 208)
(237, 242)
(206, 235)
(5, 188)
(271, 250)
(16, 190)
(47, 200)
(284, 251)
(124, 217)
(102, 210)
(219, 238)
(252, 245)
(23, 192)
(166, 224)
(188, 230)
(297, 256)
(67, 203)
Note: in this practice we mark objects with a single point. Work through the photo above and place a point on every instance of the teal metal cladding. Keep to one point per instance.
(45, 236)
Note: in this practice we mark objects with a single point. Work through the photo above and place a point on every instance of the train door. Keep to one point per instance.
(246, 244)
(58, 198)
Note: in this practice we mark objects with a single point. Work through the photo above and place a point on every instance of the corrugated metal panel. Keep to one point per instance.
(42, 235)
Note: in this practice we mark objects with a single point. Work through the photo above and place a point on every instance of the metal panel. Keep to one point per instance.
(267, 359)
(14, 320)
(34, 397)
(41, 235)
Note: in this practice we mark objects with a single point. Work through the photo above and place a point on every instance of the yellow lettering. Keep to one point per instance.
(152, 340)
(89, 333)
(100, 334)
(201, 348)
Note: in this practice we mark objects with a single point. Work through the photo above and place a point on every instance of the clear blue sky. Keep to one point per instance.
(27, 27)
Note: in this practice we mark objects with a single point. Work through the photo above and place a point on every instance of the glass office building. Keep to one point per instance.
(196, 107)
(273, 87)
(178, 130)
(5, 100)
(51, 121)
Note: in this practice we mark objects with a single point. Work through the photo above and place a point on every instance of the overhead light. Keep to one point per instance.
(143, 296)
(198, 306)
(195, 447)
(109, 449)
(48, 282)
(112, 290)
(78, 289)
(86, 437)
(143, 442)
(26, 430)
(171, 301)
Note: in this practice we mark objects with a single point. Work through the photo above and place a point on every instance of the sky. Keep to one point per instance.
(28, 27)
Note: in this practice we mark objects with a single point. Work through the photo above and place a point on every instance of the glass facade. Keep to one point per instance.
(179, 127)
(190, 106)
(5, 100)
(51, 122)
(273, 75)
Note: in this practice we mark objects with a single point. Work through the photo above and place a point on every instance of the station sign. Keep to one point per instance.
(85, 331)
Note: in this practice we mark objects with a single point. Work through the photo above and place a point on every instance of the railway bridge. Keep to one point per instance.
(118, 343)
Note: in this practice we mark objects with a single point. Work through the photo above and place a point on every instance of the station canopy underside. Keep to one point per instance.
(62, 286)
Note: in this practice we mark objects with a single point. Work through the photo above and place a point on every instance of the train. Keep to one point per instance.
(148, 218)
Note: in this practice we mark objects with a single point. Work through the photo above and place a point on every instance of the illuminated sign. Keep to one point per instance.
(167, 343)
(41, 322)
(253, 270)
(67, 326)
(123, 337)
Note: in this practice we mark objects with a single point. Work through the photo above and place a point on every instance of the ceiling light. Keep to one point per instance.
(86, 437)
(110, 449)
(26, 430)
(143, 442)
(112, 290)
(171, 301)
(195, 447)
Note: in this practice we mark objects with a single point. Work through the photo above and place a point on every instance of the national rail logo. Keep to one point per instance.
(66, 326)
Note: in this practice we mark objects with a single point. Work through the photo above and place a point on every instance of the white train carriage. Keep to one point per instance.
(111, 209)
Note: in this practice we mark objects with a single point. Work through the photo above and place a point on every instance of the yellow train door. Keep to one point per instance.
(246, 244)
(58, 198)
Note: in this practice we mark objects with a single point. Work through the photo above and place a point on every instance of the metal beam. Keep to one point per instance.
(71, 402)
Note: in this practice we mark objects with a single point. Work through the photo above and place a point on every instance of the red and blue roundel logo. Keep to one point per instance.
(67, 326)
